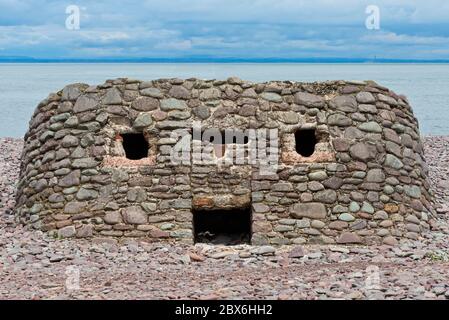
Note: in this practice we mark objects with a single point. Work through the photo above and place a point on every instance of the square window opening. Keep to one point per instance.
(220, 138)
(223, 137)
(305, 142)
(228, 227)
(135, 145)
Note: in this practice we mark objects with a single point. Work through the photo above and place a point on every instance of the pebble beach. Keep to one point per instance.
(34, 266)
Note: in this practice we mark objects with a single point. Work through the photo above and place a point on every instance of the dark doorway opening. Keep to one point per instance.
(228, 227)
(135, 145)
(305, 141)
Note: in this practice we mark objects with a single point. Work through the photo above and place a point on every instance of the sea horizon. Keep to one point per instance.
(194, 60)
(26, 84)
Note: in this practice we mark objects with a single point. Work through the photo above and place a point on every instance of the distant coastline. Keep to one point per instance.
(218, 60)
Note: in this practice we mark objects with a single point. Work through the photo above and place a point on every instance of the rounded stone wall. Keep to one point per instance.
(348, 163)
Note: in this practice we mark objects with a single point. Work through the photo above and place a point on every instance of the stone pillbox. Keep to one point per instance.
(346, 163)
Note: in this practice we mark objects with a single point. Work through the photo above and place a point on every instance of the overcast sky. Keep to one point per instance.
(229, 28)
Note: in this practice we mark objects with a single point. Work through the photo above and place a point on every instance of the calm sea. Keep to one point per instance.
(23, 86)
